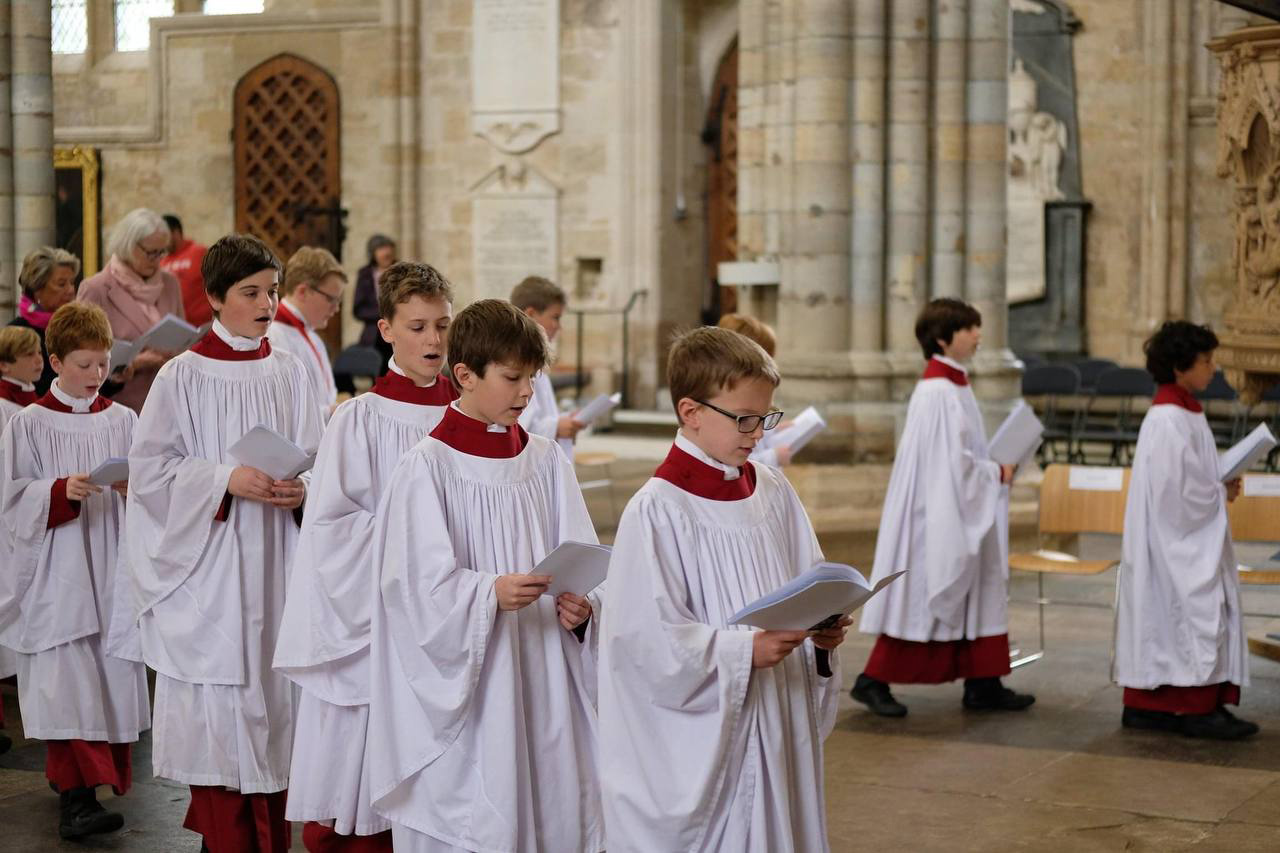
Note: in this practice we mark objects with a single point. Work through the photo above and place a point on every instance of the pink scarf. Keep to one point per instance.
(145, 292)
(33, 313)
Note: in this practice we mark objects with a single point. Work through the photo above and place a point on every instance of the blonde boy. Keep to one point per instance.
(20, 366)
(312, 295)
(544, 303)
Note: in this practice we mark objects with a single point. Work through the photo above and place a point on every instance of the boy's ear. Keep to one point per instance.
(6, 366)
(55, 363)
(384, 329)
(463, 376)
(687, 410)
(531, 312)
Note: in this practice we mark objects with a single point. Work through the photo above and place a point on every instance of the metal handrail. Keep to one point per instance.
(625, 313)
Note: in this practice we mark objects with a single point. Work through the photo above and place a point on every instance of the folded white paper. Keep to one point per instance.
(114, 470)
(271, 453)
(597, 408)
(575, 567)
(1018, 437)
(1244, 455)
(812, 600)
(801, 431)
(171, 334)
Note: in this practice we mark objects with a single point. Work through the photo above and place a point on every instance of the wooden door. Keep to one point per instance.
(721, 138)
(287, 160)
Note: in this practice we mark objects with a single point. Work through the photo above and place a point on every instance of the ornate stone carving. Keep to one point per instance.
(1249, 154)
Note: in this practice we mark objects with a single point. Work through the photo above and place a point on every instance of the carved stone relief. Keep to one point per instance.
(1037, 142)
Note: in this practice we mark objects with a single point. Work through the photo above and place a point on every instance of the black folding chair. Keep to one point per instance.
(1113, 423)
(1031, 359)
(1226, 427)
(1052, 383)
(358, 361)
(1090, 369)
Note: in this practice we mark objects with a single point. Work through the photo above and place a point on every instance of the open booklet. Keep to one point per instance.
(801, 431)
(1018, 437)
(114, 470)
(597, 408)
(575, 567)
(1245, 454)
(813, 600)
(171, 334)
(271, 453)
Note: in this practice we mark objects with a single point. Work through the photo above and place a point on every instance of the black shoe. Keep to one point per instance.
(5, 743)
(1252, 727)
(1155, 721)
(876, 696)
(83, 815)
(988, 694)
(1218, 725)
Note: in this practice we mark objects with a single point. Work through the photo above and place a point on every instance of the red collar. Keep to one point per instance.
(472, 437)
(698, 478)
(51, 402)
(14, 394)
(394, 386)
(1172, 393)
(212, 346)
(937, 369)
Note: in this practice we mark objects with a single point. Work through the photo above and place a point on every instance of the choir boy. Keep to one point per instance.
(481, 723)
(711, 735)
(544, 302)
(946, 523)
(208, 541)
(324, 638)
(769, 450)
(21, 364)
(58, 590)
(313, 285)
(1181, 653)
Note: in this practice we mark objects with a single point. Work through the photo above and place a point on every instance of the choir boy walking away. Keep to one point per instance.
(481, 722)
(58, 590)
(1181, 653)
(946, 523)
(208, 542)
(313, 285)
(544, 302)
(324, 637)
(710, 735)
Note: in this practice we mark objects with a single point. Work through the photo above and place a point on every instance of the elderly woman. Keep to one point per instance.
(136, 294)
(48, 281)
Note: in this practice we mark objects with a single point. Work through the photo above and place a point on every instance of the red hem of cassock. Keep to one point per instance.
(897, 661)
(232, 822)
(318, 838)
(1183, 700)
(88, 764)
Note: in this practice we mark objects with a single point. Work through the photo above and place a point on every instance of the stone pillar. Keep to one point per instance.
(8, 264)
(948, 104)
(32, 106)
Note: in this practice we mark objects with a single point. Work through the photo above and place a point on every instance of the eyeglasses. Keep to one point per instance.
(747, 423)
(152, 254)
(334, 301)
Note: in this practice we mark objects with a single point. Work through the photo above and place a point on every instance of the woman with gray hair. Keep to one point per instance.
(136, 294)
(48, 281)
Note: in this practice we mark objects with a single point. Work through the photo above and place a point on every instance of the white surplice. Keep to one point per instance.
(310, 349)
(324, 637)
(945, 523)
(699, 751)
(60, 588)
(482, 724)
(208, 594)
(8, 657)
(542, 415)
(1178, 619)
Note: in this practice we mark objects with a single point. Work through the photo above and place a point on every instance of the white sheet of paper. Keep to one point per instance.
(1018, 437)
(826, 590)
(807, 425)
(597, 408)
(1096, 479)
(1261, 486)
(576, 567)
(270, 452)
(1241, 457)
(114, 470)
(122, 352)
(171, 334)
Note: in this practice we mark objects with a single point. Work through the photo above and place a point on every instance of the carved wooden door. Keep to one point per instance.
(721, 137)
(287, 159)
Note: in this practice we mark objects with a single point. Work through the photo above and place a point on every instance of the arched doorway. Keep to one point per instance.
(720, 135)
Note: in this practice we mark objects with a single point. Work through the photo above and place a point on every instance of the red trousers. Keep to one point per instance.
(1183, 700)
(88, 764)
(897, 661)
(232, 822)
(318, 838)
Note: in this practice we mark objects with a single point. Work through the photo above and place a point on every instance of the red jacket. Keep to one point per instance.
(185, 265)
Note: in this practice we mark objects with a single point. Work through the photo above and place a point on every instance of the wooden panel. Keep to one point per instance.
(721, 135)
(1067, 510)
(1255, 519)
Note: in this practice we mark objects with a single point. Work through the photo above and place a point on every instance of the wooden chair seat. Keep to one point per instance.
(1261, 577)
(1056, 562)
(600, 457)
(1265, 647)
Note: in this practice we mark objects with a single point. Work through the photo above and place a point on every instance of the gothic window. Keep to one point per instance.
(233, 7)
(70, 26)
(133, 22)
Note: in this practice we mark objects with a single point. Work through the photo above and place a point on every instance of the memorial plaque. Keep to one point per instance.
(514, 231)
(515, 72)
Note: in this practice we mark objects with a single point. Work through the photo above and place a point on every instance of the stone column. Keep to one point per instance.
(948, 105)
(8, 265)
(32, 106)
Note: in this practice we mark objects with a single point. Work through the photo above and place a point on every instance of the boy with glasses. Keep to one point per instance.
(313, 285)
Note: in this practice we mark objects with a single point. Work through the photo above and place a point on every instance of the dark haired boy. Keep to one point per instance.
(481, 720)
(945, 523)
(208, 542)
(544, 302)
(1181, 654)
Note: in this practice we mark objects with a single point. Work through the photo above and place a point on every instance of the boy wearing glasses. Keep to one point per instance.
(313, 285)
(946, 523)
(711, 735)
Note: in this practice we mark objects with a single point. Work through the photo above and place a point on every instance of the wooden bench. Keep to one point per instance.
(1256, 518)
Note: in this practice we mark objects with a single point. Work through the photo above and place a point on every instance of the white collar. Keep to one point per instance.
(953, 363)
(234, 341)
(297, 312)
(25, 386)
(79, 405)
(684, 443)
(396, 369)
(488, 428)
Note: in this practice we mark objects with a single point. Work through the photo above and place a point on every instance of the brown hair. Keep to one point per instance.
(17, 341)
(749, 326)
(708, 360)
(537, 293)
(39, 265)
(77, 325)
(492, 330)
(404, 280)
(232, 259)
(309, 265)
(940, 320)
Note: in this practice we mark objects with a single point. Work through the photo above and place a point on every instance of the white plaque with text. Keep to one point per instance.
(1096, 479)
(515, 72)
(514, 231)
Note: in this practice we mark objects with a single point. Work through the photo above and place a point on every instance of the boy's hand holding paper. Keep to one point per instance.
(809, 601)
(574, 567)
(271, 453)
